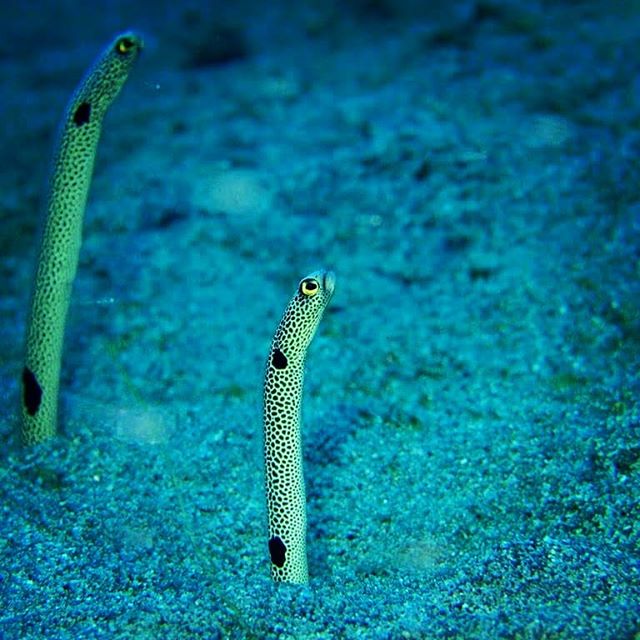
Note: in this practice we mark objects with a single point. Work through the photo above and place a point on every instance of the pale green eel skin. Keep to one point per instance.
(284, 378)
(62, 234)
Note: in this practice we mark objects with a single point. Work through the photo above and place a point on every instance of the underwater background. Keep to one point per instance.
(470, 170)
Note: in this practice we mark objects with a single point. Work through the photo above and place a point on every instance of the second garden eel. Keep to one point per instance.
(62, 234)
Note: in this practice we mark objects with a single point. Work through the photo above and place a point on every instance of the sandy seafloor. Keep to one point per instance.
(471, 173)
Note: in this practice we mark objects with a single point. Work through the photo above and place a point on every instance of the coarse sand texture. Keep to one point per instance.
(58, 260)
(284, 378)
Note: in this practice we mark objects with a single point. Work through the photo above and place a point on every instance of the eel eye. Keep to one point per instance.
(309, 287)
(124, 45)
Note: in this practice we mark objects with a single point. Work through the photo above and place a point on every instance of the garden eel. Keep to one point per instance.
(72, 168)
(284, 377)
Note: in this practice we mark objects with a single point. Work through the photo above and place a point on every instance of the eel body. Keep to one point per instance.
(69, 183)
(283, 385)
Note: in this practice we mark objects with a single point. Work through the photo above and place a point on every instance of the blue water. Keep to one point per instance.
(470, 171)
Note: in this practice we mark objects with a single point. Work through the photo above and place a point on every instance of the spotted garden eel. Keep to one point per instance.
(72, 169)
(284, 378)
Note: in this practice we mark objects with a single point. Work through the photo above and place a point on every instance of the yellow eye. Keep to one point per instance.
(309, 287)
(124, 45)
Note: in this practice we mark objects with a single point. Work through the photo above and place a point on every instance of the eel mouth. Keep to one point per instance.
(329, 281)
